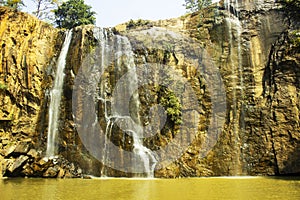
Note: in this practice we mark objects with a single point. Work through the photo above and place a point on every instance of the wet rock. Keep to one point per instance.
(1, 171)
(37, 169)
(87, 177)
(27, 170)
(5, 164)
(61, 173)
(68, 174)
(33, 153)
(4, 142)
(18, 163)
(9, 149)
(44, 161)
(22, 148)
(51, 172)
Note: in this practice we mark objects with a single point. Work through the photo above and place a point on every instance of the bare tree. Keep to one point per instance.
(44, 9)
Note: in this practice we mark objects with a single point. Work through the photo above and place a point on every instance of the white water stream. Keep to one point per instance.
(235, 31)
(55, 98)
(119, 113)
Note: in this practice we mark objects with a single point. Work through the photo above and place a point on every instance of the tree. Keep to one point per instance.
(15, 4)
(196, 5)
(44, 8)
(74, 13)
(291, 8)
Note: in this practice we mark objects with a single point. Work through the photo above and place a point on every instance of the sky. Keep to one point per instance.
(113, 12)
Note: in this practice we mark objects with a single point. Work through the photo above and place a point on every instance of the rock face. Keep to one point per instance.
(227, 78)
(27, 63)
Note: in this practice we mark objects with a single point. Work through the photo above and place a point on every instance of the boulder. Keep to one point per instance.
(33, 153)
(61, 173)
(22, 148)
(9, 150)
(27, 170)
(51, 172)
(18, 163)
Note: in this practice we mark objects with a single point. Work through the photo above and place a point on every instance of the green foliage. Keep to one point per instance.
(3, 86)
(139, 22)
(170, 47)
(291, 8)
(196, 5)
(295, 38)
(15, 4)
(11, 117)
(171, 103)
(74, 13)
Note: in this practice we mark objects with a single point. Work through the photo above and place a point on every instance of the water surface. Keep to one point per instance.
(139, 189)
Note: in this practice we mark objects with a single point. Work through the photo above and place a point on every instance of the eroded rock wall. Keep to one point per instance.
(29, 49)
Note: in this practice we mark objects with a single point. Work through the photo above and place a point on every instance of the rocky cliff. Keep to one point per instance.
(29, 50)
(226, 80)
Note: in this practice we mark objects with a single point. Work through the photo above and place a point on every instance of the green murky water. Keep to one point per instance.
(181, 189)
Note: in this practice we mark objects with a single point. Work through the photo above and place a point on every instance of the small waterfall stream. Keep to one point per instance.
(234, 31)
(55, 97)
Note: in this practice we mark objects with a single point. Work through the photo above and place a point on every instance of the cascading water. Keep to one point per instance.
(142, 155)
(120, 114)
(55, 97)
(234, 32)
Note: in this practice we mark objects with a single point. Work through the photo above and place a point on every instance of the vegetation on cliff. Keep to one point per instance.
(196, 5)
(74, 13)
(291, 7)
(168, 99)
(69, 14)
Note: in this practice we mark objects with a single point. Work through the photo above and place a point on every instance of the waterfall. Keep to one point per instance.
(117, 112)
(234, 31)
(142, 155)
(55, 97)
